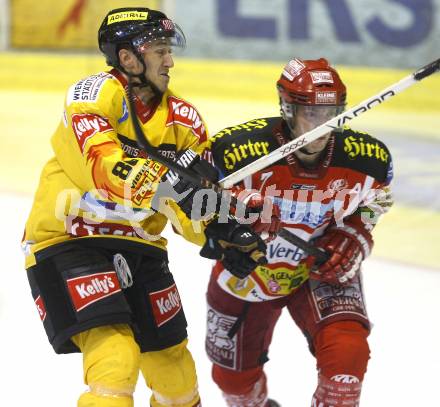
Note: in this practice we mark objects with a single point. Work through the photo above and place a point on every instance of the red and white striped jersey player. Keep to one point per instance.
(331, 192)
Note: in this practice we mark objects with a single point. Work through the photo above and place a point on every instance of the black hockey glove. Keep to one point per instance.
(239, 248)
(186, 191)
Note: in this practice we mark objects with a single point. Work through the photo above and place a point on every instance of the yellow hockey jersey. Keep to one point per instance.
(99, 183)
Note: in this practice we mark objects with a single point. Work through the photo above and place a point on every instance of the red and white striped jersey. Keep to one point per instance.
(351, 184)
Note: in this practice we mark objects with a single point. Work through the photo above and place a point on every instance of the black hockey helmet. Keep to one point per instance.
(133, 28)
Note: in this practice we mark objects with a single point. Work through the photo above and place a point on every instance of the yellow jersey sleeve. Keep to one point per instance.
(99, 183)
(87, 146)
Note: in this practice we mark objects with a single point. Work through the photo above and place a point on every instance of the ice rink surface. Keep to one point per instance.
(403, 303)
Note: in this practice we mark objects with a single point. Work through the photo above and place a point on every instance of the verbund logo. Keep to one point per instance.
(88, 289)
(166, 304)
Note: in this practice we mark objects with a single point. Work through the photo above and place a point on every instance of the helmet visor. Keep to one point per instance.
(312, 113)
(318, 114)
(164, 30)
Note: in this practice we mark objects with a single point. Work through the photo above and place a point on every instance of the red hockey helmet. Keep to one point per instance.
(310, 83)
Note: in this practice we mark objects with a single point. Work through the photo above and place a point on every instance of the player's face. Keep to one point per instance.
(309, 117)
(159, 60)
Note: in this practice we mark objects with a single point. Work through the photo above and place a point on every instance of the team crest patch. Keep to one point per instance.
(330, 300)
(221, 349)
(183, 113)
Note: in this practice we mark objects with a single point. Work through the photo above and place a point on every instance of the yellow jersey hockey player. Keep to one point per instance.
(95, 259)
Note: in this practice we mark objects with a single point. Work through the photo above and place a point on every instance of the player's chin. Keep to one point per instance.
(318, 145)
(161, 83)
(311, 151)
(164, 81)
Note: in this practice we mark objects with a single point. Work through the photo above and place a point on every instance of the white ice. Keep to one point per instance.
(403, 303)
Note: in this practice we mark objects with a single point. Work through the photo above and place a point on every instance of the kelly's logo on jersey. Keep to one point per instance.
(236, 153)
(181, 112)
(86, 290)
(40, 308)
(355, 147)
(166, 304)
(87, 125)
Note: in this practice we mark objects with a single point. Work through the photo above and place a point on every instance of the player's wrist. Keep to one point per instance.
(196, 201)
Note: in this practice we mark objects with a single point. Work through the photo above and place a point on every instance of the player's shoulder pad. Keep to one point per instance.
(89, 89)
(237, 146)
(183, 113)
(362, 152)
(100, 94)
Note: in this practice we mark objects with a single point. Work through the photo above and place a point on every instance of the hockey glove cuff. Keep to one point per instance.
(195, 204)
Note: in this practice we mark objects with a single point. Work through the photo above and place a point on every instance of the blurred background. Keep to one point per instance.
(236, 51)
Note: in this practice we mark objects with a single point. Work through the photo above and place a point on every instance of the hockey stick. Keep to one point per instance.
(330, 125)
(194, 178)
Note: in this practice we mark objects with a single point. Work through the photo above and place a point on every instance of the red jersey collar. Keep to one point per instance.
(144, 112)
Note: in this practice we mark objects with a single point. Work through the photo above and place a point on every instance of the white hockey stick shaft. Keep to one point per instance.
(330, 125)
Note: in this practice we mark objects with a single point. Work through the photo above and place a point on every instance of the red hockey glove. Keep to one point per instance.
(266, 213)
(347, 247)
